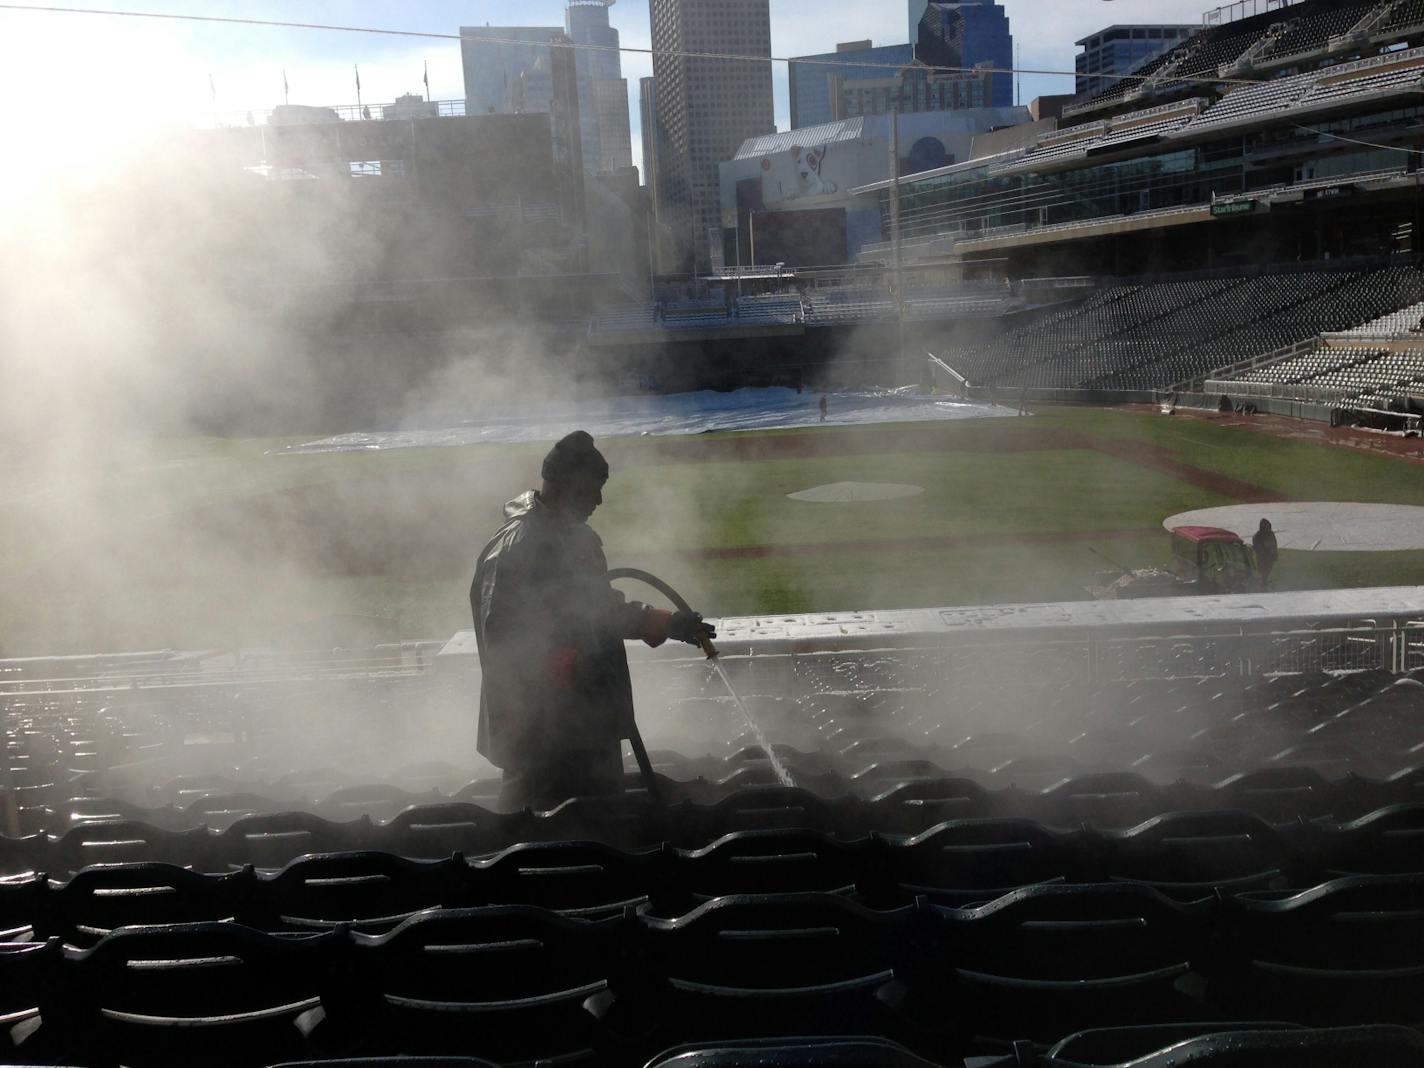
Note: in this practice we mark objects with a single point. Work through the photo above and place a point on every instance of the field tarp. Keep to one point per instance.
(680, 413)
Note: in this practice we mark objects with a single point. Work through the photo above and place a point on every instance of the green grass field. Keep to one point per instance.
(211, 543)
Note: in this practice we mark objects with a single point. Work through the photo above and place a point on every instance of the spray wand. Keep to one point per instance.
(635, 739)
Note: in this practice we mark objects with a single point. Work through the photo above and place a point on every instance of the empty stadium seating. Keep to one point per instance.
(1151, 336)
(975, 871)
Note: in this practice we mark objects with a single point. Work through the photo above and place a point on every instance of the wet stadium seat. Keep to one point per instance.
(21, 902)
(271, 840)
(1194, 854)
(506, 983)
(99, 899)
(432, 832)
(364, 891)
(1388, 841)
(1041, 961)
(775, 861)
(589, 880)
(212, 993)
(782, 964)
(26, 969)
(849, 1052)
(1238, 1045)
(122, 840)
(967, 861)
(1342, 952)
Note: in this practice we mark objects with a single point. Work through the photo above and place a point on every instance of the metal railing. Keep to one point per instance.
(444, 109)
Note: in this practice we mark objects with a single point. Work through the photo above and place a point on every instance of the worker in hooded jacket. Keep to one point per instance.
(556, 699)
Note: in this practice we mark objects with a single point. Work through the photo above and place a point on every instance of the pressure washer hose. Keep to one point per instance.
(635, 740)
(666, 590)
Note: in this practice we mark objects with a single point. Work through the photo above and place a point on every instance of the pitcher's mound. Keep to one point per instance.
(1322, 526)
(846, 492)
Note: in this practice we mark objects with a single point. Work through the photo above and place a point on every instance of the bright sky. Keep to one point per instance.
(98, 68)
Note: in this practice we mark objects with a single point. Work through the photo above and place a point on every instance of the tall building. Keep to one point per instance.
(1120, 50)
(492, 66)
(603, 91)
(917, 12)
(648, 114)
(967, 35)
(706, 109)
(814, 79)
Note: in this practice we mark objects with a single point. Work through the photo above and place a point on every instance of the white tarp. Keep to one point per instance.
(679, 413)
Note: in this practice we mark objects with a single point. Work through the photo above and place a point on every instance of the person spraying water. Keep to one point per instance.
(556, 698)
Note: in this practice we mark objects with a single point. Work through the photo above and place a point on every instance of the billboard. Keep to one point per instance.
(804, 172)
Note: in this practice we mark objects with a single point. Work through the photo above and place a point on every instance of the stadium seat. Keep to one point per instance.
(100, 899)
(967, 861)
(26, 969)
(432, 832)
(1238, 1045)
(1389, 841)
(1339, 953)
(775, 861)
(849, 1052)
(1195, 854)
(505, 983)
(578, 879)
(363, 891)
(211, 993)
(778, 965)
(1042, 960)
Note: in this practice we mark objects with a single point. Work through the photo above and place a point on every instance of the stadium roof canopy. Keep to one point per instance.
(826, 134)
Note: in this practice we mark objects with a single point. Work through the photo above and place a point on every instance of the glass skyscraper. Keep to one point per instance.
(966, 35)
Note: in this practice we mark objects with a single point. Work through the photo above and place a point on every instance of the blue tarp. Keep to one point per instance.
(680, 413)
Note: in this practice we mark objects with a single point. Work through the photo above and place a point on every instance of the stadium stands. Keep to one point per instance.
(1151, 336)
(981, 866)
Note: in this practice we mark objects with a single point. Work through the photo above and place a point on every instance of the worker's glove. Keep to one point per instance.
(688, 627)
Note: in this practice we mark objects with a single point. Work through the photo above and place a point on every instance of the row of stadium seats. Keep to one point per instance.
(1146, 337)
(958, 863)
(1363, 374)
(517, 982)
(1301, 28)
(1111, 803)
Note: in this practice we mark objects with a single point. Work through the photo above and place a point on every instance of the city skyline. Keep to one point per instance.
(247, 64)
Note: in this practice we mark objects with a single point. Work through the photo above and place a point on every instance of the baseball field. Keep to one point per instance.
(207, 543)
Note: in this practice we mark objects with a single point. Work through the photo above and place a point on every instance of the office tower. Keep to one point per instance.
(1120, 50)
(706, 108)
(917, 12)
(603, 91)
(914, 89)
(493, 66)
(966, 35)
(647, 112)
(567, 128)
(813, 79)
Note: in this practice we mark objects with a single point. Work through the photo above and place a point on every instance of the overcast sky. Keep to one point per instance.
(103, 67)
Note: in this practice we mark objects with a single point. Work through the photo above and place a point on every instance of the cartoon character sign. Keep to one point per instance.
(796, 174)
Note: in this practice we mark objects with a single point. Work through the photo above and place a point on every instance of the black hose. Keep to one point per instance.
(650, 580)
(635, 739)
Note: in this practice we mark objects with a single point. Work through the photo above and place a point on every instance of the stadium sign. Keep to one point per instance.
(1235, 207)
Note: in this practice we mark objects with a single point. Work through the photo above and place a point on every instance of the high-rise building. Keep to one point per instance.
(706, 108)
(648, 114)
(917, 12)
(603, 92)
(966, 35)
(1120, 50)
(814, 79)
(494, 58)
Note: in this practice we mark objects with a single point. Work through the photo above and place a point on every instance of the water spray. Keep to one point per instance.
(713, 658)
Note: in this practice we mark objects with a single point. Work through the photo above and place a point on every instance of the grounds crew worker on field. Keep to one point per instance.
(556, 697)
